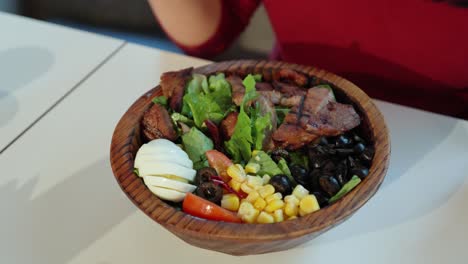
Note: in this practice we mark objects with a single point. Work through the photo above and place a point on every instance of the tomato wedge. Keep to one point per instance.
(219, 162)
(202, 208)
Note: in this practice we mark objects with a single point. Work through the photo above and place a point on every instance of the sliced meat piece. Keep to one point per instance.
(228, 125)
(158, 124)
(331, 120)
(317, 115)
(263, 86)
(291, 76)
(273, 96)
(290, 101)
(317, 98)
(173, 86)
(288, 90)
(290, 136)
(238, 89)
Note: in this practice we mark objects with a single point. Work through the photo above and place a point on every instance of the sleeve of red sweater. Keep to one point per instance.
(235, 17)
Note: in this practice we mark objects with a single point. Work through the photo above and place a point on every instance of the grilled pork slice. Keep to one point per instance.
(173, 86)
(317, 115)
(228, 125)
(158, 124)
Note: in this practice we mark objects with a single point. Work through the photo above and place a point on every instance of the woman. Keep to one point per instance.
(412, 52)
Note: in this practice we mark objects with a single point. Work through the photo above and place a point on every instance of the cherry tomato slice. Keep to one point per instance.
(202, 208)
(219, 162)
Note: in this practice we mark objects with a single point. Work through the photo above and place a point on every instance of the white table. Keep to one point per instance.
(64, 205)
(39, 64)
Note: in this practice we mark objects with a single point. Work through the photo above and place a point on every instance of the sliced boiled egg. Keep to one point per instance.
(163, 158)
(167, 194)
(169, 184)
(166, 168)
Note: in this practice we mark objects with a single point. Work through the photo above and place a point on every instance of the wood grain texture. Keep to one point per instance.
(245, 239)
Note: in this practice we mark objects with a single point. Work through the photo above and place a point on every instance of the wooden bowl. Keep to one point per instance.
(245, 239)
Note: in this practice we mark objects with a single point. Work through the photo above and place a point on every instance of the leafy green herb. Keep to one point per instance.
(196, 144)
(240, 144)
(162, 100)
(262, 123)
(207, 99)
(267, 165)
(353, 182)
(177, 117)
(299, 158)
(257, 77)
(281, 113)
(135, 170)
(284, 167)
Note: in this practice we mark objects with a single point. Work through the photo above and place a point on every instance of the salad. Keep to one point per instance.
(241, 149)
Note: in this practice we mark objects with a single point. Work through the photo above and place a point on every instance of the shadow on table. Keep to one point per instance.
(397, 201)
(18, 67)
(64, 220)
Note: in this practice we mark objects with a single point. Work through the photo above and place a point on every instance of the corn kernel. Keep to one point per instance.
(275, 196)
(278, 215)
(246, 188)
(292, 217)
(274, 205)
(252, 167)
(254, 181)
(255, 152)
(252, 197)
(291, 209)
(265, 218)
(260, 204)
(300, 192)
(308, 204)
(247, 212)
(236, 172)
(235, 185)
(291, 199)
(266, 190)
(266, 179)
(230, 201)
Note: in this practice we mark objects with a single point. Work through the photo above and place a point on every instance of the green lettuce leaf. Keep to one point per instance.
(267, 165)
(299, 158)
(262, 123)
(196, 144)
(240, 144)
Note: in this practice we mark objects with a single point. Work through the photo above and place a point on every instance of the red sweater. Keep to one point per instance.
(412, 52)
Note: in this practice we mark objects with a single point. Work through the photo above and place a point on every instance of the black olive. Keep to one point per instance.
(343, 141)
(367, 155)
(344, 152)
(277, 154)
(329, 167)
(359, 148)
(329, 184)
(282, 184)
(299, 174)
(313, 181)
(323, 141)
(357, 138)
(210, 191)
(360, 171)
(321, 199)
(204, 175)
(341, 172)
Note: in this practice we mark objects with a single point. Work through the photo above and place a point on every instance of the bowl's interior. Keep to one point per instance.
(127, 139)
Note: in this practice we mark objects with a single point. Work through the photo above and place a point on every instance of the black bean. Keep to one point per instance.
(360, 171)
(299, 174)
(344, 152)
(282, 184)
(323, 141)
(329, 184)
(359, 148)
(313, 182)
(343, 141)
(367, 155)
(341, 172)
